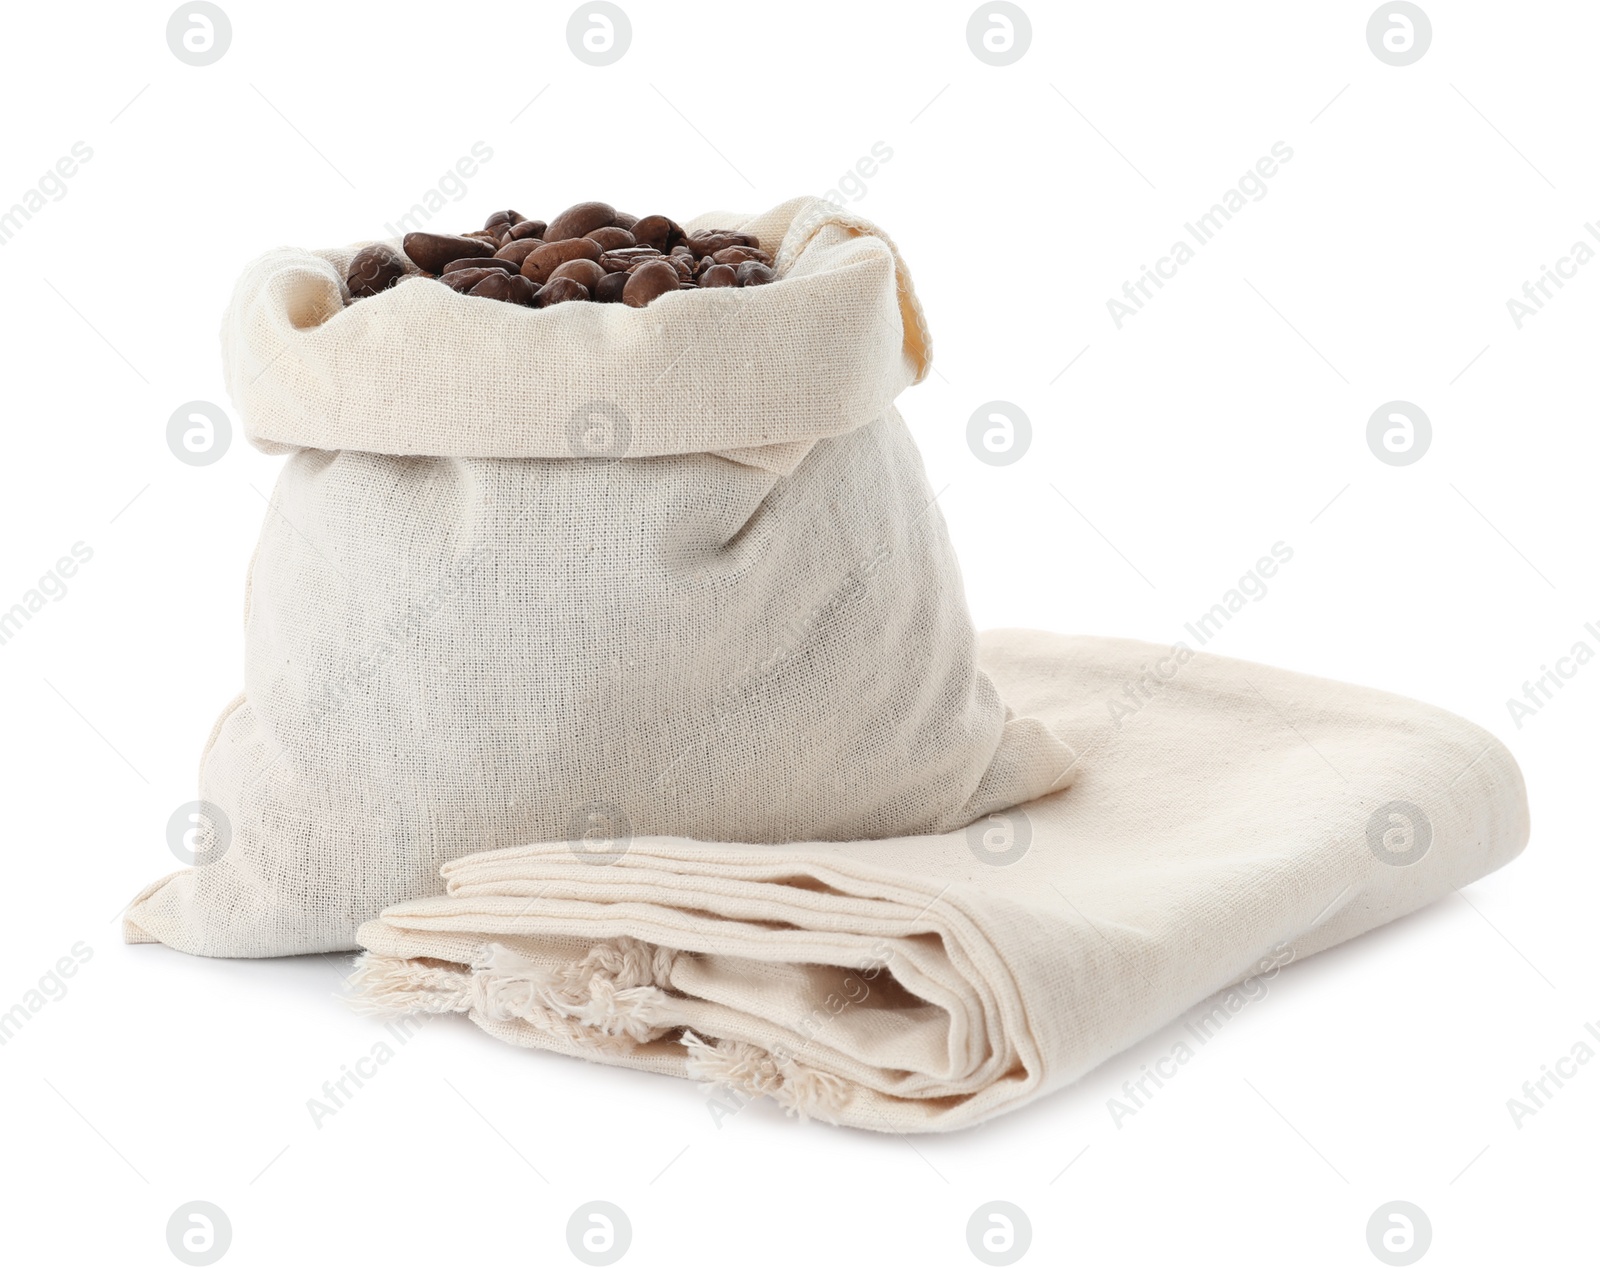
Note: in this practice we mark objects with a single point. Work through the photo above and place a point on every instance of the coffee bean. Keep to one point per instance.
(430, 252)
(586, 272)
(543, 260)
(560, 291)
(464, 280)
(650, 280)
(518, 251)
(590, 251)
(754, 273)
(624, 258)
(610, 237)
(738, 255)
(373, 269)
(658, 232)
(493, 262)
(513, 288)
(714, 240)
(611, 287)
(579, 219)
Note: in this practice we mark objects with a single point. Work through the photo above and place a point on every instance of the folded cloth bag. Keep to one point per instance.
(583, 572)
(1225, 816)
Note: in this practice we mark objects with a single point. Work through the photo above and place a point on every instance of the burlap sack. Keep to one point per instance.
(1240, 820)
(586, 571)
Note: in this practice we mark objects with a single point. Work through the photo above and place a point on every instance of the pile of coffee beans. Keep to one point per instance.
(591, 251)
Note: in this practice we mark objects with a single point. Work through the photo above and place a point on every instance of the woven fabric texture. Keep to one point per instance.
(1241, 818)
(580, 573)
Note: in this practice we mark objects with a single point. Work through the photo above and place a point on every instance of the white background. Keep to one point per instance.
(1228, 415)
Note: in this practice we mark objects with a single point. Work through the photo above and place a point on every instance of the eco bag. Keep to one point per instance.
(580, 573)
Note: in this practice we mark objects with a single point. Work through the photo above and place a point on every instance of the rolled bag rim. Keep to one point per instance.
(823, 350)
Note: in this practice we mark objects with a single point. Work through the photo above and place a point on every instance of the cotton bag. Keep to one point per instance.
(579, 574)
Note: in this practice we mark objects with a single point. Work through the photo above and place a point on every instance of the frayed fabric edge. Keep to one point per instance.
(613, 1000)
(802, 1091)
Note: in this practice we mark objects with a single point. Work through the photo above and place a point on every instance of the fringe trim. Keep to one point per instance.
(803, 1092)
(384, 986)
(613, 999)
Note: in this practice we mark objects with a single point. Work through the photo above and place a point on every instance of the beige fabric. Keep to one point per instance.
(507, 590)
(1227, 817)
(418, 371)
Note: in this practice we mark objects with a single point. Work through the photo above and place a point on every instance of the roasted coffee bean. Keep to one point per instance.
(591, 251)
(464, 280)
(586, 272)
(714, 240)
(560, 291)
(650, 280)
(611, 287)
(658, 232)
(754, 273)
(430, 252)
(493, 262)
(624, 258)
(738, 255)
(513, 288)
(610, 237)
(543, 260)
(579, 219)
(519, 250)
(373, 269)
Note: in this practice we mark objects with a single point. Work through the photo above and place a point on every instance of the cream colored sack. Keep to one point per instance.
(584, 572)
